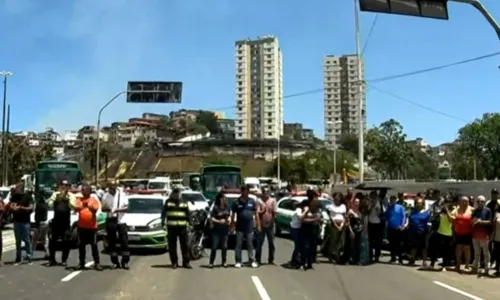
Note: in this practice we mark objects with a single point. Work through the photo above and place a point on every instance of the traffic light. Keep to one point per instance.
(435, 9)
(154, 92)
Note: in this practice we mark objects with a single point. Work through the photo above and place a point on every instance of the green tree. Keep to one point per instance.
(349, 143)
(421, 167)
(208, 120)
(387, 150)
(20, 158)
(89, 155)
(166, 122)
(480, 140)
(140, 142)
(47, 152)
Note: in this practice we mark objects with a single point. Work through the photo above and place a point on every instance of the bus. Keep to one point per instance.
(49, 174)
(215, 177)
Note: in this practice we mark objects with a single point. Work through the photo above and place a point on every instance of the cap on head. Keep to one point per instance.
(494, 191)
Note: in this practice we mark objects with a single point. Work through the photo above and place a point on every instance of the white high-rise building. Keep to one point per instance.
(259, 89)
(341, 97)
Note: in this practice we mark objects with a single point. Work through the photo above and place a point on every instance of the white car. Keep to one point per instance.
(195, 200)
(143, 219)
(286, 209)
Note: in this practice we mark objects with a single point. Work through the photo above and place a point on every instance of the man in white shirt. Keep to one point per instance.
(115, 204)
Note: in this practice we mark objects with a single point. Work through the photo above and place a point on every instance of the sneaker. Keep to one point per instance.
(98, 267)
(254, 264)
(125, 266)
(237, 265)
(211, 266)
(224, 265)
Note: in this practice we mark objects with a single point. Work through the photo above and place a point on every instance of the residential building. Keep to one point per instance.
(341, 97)
(296, 131)
(70, 136)
(49, 135)
(227, 127)
(259, 88)
(127, 135)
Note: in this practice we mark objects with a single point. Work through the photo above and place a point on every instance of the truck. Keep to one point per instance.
(214, 177)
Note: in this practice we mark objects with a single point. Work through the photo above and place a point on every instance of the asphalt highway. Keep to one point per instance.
(151, 278)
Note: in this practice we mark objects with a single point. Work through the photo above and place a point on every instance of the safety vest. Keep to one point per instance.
(177, 214)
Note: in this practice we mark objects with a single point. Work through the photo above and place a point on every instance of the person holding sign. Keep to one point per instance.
(87, 208)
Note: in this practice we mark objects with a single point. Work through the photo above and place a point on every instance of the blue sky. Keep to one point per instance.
(70, 57)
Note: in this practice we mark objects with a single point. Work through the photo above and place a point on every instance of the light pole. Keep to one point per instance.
(98, 142)
(361, 111)
(5, 74)
(280, 124)
(334, 124)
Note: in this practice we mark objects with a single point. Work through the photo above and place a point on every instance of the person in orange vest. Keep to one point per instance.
(87, 207)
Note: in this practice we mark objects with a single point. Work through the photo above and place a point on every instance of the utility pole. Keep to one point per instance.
(361, 111)
(5, 74)
(6, 153)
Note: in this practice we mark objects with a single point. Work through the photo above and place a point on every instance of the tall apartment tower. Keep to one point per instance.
(341, 97)
(259, 89)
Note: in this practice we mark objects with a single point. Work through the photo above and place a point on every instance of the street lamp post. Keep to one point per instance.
(333, 124)
(5, 74)
(98, 142)
(361, 111)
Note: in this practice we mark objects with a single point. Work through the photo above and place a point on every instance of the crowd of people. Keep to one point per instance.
(462, 231)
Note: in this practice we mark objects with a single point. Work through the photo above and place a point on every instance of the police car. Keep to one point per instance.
(195, 200)
(143, 219)
(286, 209)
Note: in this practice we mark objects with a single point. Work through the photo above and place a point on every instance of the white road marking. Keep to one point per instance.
(260, 288)
(76, 273)
(453, 289)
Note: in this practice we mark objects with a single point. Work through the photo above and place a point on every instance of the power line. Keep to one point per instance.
(418, 104)
(392, 77)
(370, 33)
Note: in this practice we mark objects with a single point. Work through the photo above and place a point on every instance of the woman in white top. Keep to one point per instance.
(336, 230)
(295, 226)
(496, 241)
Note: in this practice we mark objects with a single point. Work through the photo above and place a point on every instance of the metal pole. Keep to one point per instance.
(279, 144)
(475, 169)
(98, 143)
(5, 74)
(361, 143)
(335, 164)
(7, 141)
(486, 14)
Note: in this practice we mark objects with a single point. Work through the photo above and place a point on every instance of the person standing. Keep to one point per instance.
(337, 213)
(2, 211)
(60, 226)
(496, 241)
(308, 235)
(418, 231)
(267, 214)
(242, 219)
(375, 227)
(175, 215)
(396, 224)
(22, 207)
(355, 228)
(87, 208)
(115, 204)
(481, 230)
(41, 225)
(462, 229)
(220, 217)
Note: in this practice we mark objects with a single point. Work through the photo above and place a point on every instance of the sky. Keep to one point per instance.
(69, 57)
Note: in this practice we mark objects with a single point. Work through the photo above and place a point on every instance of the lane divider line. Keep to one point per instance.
(260, 288)
(453, 289)
(76, 273)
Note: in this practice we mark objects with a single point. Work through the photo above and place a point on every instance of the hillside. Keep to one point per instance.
(139, 163)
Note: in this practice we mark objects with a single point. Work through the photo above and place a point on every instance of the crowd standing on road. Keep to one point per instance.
(463, 232)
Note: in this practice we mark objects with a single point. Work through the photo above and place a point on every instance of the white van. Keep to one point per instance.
(253, 183)
(161, 183)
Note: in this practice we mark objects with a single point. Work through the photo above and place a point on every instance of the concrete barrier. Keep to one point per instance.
(472, 188)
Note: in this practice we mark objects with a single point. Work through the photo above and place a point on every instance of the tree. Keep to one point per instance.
(349, 143)
(166, 122)
(89, 155)
(47, 152)
(387, 150)
(208, 120)
(421, 165)
(480, 141)
(20, 158)
(140, 142)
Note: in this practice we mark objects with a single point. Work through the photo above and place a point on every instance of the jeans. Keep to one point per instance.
(375, 237)
(395, 237)
(240, 235)
(261, 237)
(295, 232)
(41, 235)
(117, 235)
(308, 241)
(22, 235)
(478, 246)
(496, 255)
(219, 240)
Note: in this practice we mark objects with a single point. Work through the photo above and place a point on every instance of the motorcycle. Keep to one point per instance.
(197, 234)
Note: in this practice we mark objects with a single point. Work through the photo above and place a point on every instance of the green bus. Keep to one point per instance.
(50, 173)
(214, 177)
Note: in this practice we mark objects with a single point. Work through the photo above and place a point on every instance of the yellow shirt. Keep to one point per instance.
(445, 225)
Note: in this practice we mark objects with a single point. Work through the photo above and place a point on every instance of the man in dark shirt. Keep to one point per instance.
(60, 225)
(245, 211)
(41, 226)
(22, 207)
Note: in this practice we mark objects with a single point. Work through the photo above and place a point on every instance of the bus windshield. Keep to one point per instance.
(227, 180)
(49, 178)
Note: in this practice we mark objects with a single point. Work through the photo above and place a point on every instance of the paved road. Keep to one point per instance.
(150, 278)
